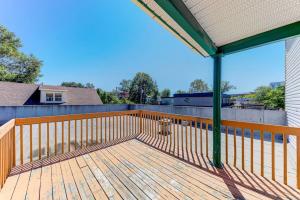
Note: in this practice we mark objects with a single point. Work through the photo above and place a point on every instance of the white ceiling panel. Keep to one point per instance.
(226, 21)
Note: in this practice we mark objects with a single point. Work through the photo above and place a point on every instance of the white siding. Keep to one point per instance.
(292, 80)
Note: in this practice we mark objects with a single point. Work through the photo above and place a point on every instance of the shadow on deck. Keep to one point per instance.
(137, 167)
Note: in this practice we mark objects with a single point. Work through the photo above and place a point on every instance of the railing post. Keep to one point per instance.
(217, 111)
(141, 121)
(298, 161)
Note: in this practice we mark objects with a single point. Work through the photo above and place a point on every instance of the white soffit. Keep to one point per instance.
(167, 19)
(226, 21)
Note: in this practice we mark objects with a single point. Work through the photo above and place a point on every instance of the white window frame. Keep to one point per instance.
(61, 96)
(49, 93)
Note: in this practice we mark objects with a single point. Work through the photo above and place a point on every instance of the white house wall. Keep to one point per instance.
(292, 81)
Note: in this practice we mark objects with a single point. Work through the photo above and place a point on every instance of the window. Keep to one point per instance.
(58, 97)
(49, 96)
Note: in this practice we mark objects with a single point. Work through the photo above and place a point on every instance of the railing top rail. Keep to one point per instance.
(264, 127)
(5, 128)
(177, 116)
(237, 124)
(59, 118)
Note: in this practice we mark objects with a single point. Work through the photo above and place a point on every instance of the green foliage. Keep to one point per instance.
(198, 85)
(261, 93)
(77, 85)
(143, 87)
(108, 97)
(15, 66)
(165, 93)
(271, 98)
(180, 92)
(226, 87)
(124, 85)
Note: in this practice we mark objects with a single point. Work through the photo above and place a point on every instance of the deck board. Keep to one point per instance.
(46, 183)
(135, 170)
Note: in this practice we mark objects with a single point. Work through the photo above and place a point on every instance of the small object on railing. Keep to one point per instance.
(165, 126)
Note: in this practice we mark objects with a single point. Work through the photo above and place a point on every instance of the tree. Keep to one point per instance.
(77, 85)
(108, 97)
(226, 87)
(261, 93)
(15, 66)
(142, 87)
(180, 92)
(270, 98)
(165, 93)
(275, 98)
(198, 85)
(124, 85)
(89, 85)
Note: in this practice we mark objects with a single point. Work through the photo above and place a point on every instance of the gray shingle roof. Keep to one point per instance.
(18, 94)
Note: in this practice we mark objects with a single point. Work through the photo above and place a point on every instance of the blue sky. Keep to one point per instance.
(104, 42)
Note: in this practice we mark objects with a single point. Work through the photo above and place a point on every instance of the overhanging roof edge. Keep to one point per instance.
(178, 12)
(162, 22)
(290, 30)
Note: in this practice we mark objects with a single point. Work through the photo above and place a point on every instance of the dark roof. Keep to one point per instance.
(199, 94)
(18, 94)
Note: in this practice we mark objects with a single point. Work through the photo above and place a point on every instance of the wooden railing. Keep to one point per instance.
(186, 135)
(53, 135)
(29, 139)
(7, 150)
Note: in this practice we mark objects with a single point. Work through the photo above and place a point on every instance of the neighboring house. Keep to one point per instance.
(292, 83)
(166, 101)
(19, 94)
(203, 99)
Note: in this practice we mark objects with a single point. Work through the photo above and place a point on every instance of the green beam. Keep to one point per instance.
(166, 24)
(277, 34)
(182, 16)
(217, 111)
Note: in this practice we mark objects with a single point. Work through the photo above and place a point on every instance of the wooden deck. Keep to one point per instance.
(135, 170)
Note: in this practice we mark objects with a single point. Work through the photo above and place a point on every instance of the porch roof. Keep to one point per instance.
(217, 26)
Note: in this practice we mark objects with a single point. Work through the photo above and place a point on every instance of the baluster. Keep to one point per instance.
(62, 136)
(191, 136)
(105, 130)
(226, 145)
(75, 134)
(55, 138)
(206, 124)
(92, 131)
(285, 136)
(201, 138)
(273, 156)
(48, 140)
(69, 135)
(252, 149)
(261, 152)
(40, 141)
(196, 137)
(30, 142)
(234, 148)
(97, 130)
(86, 132)
(113, 117)
(243, 149)
(81, 133)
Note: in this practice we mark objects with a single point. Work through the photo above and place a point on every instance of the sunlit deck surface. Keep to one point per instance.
(132, 169)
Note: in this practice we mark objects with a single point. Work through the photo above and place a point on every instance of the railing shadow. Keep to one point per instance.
(233, 177)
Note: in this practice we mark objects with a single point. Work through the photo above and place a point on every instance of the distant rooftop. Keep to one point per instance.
(18, 94)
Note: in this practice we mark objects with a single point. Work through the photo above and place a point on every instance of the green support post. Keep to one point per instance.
(217, 111)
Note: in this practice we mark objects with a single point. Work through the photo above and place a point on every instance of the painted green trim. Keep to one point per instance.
(166, 24)
(217, 111)
(179, 16)
(277, 34)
